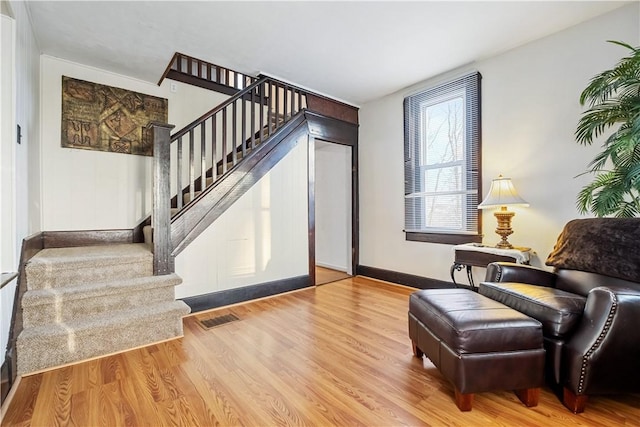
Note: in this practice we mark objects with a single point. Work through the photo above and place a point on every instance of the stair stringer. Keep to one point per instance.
(190, 222)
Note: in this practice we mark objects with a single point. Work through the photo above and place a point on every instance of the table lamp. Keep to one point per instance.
(502, 194)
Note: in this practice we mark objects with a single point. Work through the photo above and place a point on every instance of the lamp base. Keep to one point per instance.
(504, 227)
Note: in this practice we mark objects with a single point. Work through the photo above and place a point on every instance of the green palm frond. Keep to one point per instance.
(623, 44)
(598, 118)
(625, 74)
(632, 176)
(613, 98)
(598, 195)
(628, 210)
(634, 126)
(599, 162)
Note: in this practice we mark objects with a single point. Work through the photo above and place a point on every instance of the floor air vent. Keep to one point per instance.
(217, 321)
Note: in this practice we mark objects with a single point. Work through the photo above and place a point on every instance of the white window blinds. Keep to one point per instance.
(442, 158)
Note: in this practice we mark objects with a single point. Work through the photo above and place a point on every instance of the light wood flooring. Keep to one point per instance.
(337, 354)
(327, 275)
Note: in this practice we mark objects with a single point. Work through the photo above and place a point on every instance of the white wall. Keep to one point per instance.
(24, 187)
(88, 190)
(7, 177)
(7, 148)
(530, 110)
(260, 238)
(333, 205)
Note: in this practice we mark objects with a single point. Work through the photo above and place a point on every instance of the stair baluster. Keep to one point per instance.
(191, 70)
(192, 171)
(269, 112)
(214, 155)
(243, 133)
(179, 162)
(253, 123)
(222, 146)
(224, 141)
(234, 151)
(203, 155)
(262, 101)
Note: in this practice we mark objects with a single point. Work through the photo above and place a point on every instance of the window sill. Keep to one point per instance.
(443, 238)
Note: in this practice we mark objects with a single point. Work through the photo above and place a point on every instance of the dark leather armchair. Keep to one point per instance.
(589, 307)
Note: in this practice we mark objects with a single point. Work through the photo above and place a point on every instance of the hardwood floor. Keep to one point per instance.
(327, 275)
(337, 354)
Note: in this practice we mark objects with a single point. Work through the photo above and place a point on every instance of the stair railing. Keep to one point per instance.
(212, 145)
(194, 67)
(203, 152)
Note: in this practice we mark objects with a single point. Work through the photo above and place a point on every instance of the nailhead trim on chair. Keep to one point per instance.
(499, 275)
(596, 345)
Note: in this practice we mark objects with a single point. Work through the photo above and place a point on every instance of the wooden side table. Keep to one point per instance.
(473, 255)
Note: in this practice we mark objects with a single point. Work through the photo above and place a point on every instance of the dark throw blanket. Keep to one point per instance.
(609, 246)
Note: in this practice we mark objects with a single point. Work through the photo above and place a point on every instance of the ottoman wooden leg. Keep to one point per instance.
(464, 402)
(416, 351)
(529, 396)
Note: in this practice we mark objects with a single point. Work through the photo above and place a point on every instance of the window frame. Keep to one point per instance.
(469, 85)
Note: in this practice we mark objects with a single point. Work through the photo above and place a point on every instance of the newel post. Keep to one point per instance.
(161, 213)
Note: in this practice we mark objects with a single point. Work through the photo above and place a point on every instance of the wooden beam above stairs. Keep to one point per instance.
(196, 72)
(200, 82)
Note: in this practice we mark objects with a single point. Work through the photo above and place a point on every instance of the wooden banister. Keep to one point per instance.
(201, 73)
(233, 134)
(161, 215)
(195, 159)
(220, 107)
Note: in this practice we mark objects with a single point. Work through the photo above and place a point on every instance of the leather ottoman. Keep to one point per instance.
(477, 343)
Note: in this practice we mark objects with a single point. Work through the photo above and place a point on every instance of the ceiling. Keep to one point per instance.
(352, 50)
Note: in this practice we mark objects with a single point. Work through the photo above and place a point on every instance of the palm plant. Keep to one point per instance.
(613, 97)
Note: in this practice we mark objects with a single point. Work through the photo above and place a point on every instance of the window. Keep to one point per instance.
(442, 162)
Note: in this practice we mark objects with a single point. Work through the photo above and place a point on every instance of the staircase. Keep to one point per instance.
(96, 299)
(203, 168)
(82, 302)
(88, 301)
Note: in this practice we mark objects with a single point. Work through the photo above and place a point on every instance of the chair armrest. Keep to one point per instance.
(602, 355)
(512, 272)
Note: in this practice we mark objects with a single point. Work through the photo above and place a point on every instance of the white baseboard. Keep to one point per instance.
(333, 267)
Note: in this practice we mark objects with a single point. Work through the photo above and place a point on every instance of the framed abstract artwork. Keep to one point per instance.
(105, 118)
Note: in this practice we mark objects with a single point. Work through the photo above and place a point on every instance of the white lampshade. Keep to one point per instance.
(502, 193)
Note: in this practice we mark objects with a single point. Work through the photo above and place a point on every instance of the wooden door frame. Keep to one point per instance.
(311, 202)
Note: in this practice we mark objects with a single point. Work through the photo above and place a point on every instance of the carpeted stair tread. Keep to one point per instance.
(60, 343)
(44, 306)
(187, 196)
(57, 267)
(104, 320)
(91, 301)
(147, 230)
(94, 290)
(97, 252)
